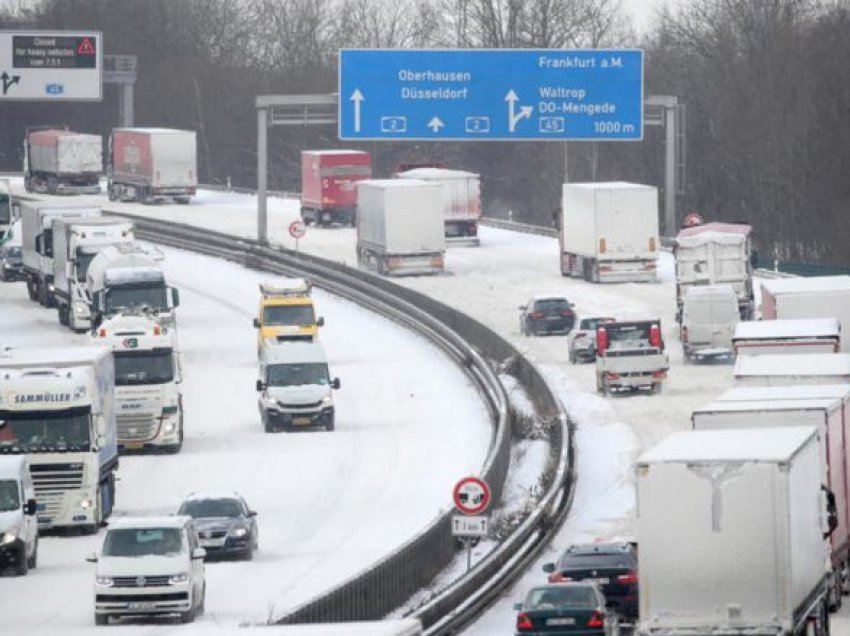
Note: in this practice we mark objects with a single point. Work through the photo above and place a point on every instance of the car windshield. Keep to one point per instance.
(551, 304)
(136, 296)
(597, 560)
(45, 431)
(591, 324)
(144, 367)
(207, 508)
(139, 542)
(298, 374)
(9, 499)
(283, 315)
(561, 597)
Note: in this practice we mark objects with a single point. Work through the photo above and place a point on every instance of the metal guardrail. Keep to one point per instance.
(382, 588)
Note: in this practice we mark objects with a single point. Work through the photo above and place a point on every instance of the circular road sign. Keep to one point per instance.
(471, 495)
(297, 229)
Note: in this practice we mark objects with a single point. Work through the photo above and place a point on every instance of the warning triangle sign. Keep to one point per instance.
(85, 47)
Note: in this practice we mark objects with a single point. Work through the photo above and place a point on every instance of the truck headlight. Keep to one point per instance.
(270, 404)
(85, 504)
(238, 533)
(168, 428)
(7, 537)
(81, 310)
(104, 581)
(178, 578)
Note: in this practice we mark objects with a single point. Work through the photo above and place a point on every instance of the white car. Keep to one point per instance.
(150, 566)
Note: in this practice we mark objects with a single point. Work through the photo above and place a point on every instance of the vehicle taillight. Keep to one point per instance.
(601, 341)
(684, 334)
(655, 336)
(612, 376)
(651, 243)
(596, 619)
(536, 315)
(472, 229)
(605, 268)
(628, 579)
(567, 312)
(649, 265)
(603, 246)
(102, 332)
(659, 374)
(523, 622)
(558, 577)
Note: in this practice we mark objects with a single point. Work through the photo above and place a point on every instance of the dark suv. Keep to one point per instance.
(613, 566)
(551, 314)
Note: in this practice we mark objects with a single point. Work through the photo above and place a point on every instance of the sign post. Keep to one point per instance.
(51, 65)
(471, 497)
(296, 231)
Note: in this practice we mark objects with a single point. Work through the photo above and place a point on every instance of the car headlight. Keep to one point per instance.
(270, 404)
(178, 578)
(104, 581)
(327, 401)
(238, 533)
(7, 537)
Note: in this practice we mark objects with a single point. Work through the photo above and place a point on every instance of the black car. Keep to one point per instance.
(551, 314)
(565, 609)
(11, 263)
(226, 526)
(612, 566)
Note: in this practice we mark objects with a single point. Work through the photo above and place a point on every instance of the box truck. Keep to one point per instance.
(152, 164)
(329, 185)
(826, 409)
(712, 254)
(816, 297)
(709, 317)
(37, 244)
(461, 201)
(797, 336)
(731, 526)
(57, 409)
(76, 241)
(608, 232)
(61, 161)
(792, 370)
(400, 226)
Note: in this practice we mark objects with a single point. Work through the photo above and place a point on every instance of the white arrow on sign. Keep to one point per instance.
(514, 117)
(435, 124)
(357, 97)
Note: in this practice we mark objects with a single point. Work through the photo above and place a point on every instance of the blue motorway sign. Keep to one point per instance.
(485, 94)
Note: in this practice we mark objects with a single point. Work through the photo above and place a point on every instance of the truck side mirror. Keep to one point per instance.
(175, 296)
(92, 558)
(517, 606)
(30, 507)
(260, 385)
(38, 243)
(831, 512)
(256, 323)
(320, 321)
(548, 567)
(335, 384)
(97, 301)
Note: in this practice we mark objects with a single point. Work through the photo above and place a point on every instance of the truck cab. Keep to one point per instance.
(630, 356)
(286, 312)
(709, 317)
(295, 387)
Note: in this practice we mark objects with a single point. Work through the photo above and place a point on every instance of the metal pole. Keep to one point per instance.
(127, 105)
(670, 172)
(262, 161)
(566, 165)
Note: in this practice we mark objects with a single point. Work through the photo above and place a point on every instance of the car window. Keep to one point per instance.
(551, 304)
(596, 560)
(205, 508)
(561, 598)
(136, 542)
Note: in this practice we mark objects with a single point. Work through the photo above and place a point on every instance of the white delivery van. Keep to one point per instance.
(18, 522)
(709, 317)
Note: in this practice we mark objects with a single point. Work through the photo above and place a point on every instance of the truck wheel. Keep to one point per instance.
(22, 565)
(187, 617)
(32, 562)
(101, 619)
(656, 387)
(51, 184)
(64, 315)
(110, 191)
(32, 290)
(330, 425)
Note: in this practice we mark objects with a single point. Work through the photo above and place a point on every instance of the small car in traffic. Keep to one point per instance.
(11, 263)
(582, 341)
(566, 609)
(611, 566)
(546, 314)
(149, 566)
(226, 526)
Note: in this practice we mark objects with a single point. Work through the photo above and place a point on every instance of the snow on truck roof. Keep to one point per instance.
(609, 185)
(398, 184)
(723, 230)
(436, 173)
(804, 285)
(54, 356)
(743, 444)
(710, 290)
(787, 328)
(782, 393)
(802, 404)
(138, 274)
(334, 152)
(154, 130)
(794, 364)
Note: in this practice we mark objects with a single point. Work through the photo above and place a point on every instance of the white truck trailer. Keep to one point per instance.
(76, 241)
(815, 297)
(608, 232)
(461, 201)
(37, 244)
(56, 407)
(148, 400)
(731, 529)
(785, 370)
(828, 409)
(152, 164)
(125, 277)
(61, 161)
(797, 336)
(400, 226)
(713, 254)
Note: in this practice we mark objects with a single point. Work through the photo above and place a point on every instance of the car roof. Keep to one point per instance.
(586, 549)
(161, 521)
(203, 496)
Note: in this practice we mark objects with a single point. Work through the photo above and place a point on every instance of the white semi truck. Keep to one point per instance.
(731, 527)
(56, 407)
(76, 241)
(37, 244)
(128, 277)
(148, 401)
(608, 232)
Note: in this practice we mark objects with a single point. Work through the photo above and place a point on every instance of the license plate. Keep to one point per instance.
(133, 445)
(560, 621)
(141, 606)
(553, 317)
(302, 420)
(600, 581)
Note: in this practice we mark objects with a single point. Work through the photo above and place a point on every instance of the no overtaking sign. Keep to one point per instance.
(471, 495)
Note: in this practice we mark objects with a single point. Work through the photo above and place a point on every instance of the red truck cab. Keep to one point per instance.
(329, 185)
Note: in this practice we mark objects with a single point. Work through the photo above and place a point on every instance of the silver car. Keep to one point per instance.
(582, 341)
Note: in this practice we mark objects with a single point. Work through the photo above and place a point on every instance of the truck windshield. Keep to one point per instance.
(83, 260)
(140, 542)
(45, 432)
(5, 209)
(298, 374)
(9, 499)
(628, 336)
(144, 367)
(137, 296)
(282, 315)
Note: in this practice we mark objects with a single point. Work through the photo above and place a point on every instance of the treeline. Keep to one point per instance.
(766, 86)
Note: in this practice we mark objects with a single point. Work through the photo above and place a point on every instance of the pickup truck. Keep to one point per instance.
(630, 356)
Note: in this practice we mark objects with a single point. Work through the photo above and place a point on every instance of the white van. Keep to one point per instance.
(709, 317)
(18, 523)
